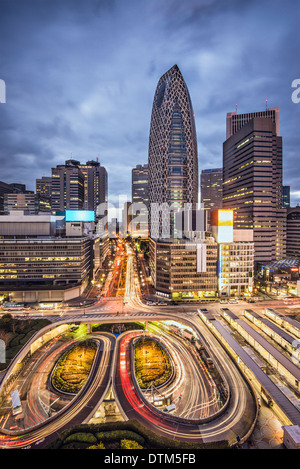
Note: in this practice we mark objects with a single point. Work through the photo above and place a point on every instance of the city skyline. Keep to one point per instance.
(80, 81)
(149, 226)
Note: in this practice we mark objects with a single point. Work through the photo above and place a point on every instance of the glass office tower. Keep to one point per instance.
(252, 180)
(173, 159)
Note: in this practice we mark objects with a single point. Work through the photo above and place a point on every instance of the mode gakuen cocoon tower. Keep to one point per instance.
(173, 158)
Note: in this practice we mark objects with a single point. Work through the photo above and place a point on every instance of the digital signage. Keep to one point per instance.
(80, 215)
(225, 226)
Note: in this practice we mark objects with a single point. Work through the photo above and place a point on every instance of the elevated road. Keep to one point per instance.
(111, 367)
(79, 409)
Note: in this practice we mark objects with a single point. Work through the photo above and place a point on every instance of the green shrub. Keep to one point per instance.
(12, 351)
(152, 363)
(71, 372)
(119, 435)
(27, 337)
(152, 440)
(81, 437)
(130, 444)
(98, 446)
(16, 340)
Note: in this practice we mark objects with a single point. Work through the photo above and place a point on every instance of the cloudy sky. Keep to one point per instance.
(80, 78)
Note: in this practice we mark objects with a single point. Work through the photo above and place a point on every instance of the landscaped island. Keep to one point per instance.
(73, 369)
(152, 363)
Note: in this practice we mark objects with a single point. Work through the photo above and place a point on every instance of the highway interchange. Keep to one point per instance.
(200, 415)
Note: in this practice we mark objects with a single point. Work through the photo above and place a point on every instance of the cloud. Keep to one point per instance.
(81, 77)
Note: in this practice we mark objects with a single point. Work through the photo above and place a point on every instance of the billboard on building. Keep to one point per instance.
(225, 226)
(80, 215)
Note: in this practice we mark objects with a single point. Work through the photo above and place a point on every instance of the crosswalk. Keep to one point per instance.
(77, 317)
(100, 315)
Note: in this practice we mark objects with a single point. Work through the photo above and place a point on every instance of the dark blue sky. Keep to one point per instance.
(81, 75)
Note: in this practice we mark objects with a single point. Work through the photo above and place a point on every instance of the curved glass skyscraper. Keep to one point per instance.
(173, 158)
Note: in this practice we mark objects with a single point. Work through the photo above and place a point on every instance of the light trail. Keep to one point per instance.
(79, 403)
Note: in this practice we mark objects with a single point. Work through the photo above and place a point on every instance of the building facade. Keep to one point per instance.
(252, 180)
(235, 255)
(235, 268)
(286, 196)
(293, 232)
(38, 260)
(67, 187)
(139, 195)
(173, 157)
(95, 184)
(184, 271)
(29, 202)
(43, 186)
(211, 183)
(42, 261)
(9, 189)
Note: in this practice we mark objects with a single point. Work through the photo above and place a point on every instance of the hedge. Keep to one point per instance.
(152, 441)
(119, 435)
(81, 437)
(129, 444)
(16, 333)
(98, 446)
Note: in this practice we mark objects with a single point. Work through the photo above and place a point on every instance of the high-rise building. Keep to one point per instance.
(139, 194)
(293, 232)
(286, 197)
(43, 186)
(235, 255)
(183, 271)
(67, 190)
(12, 188)
(211, 183)
(235, 121)
(173, 158)
(38, 262)
(252, 180)
(77, 186)
(95, 184)
(126, 219)
(28, 202)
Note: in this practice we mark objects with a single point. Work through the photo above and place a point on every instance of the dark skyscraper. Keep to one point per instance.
(252, 180)
(67, 191)
(78, 186)
(139, 184)
(139, 195)
(173, 158)
(286, 196)
(43, 186)
(211, 189)
(95, 184)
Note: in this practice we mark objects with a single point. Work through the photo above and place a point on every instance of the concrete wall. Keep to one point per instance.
(34, 296)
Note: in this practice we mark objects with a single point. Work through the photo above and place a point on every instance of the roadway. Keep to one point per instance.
(234, 422)
(198, 399)
(76, 411)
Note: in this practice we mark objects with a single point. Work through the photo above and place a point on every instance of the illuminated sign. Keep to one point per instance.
(225, 226)
(80, 215)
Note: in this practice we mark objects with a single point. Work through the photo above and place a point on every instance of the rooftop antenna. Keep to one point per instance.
(266, 104)
(236, 108)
